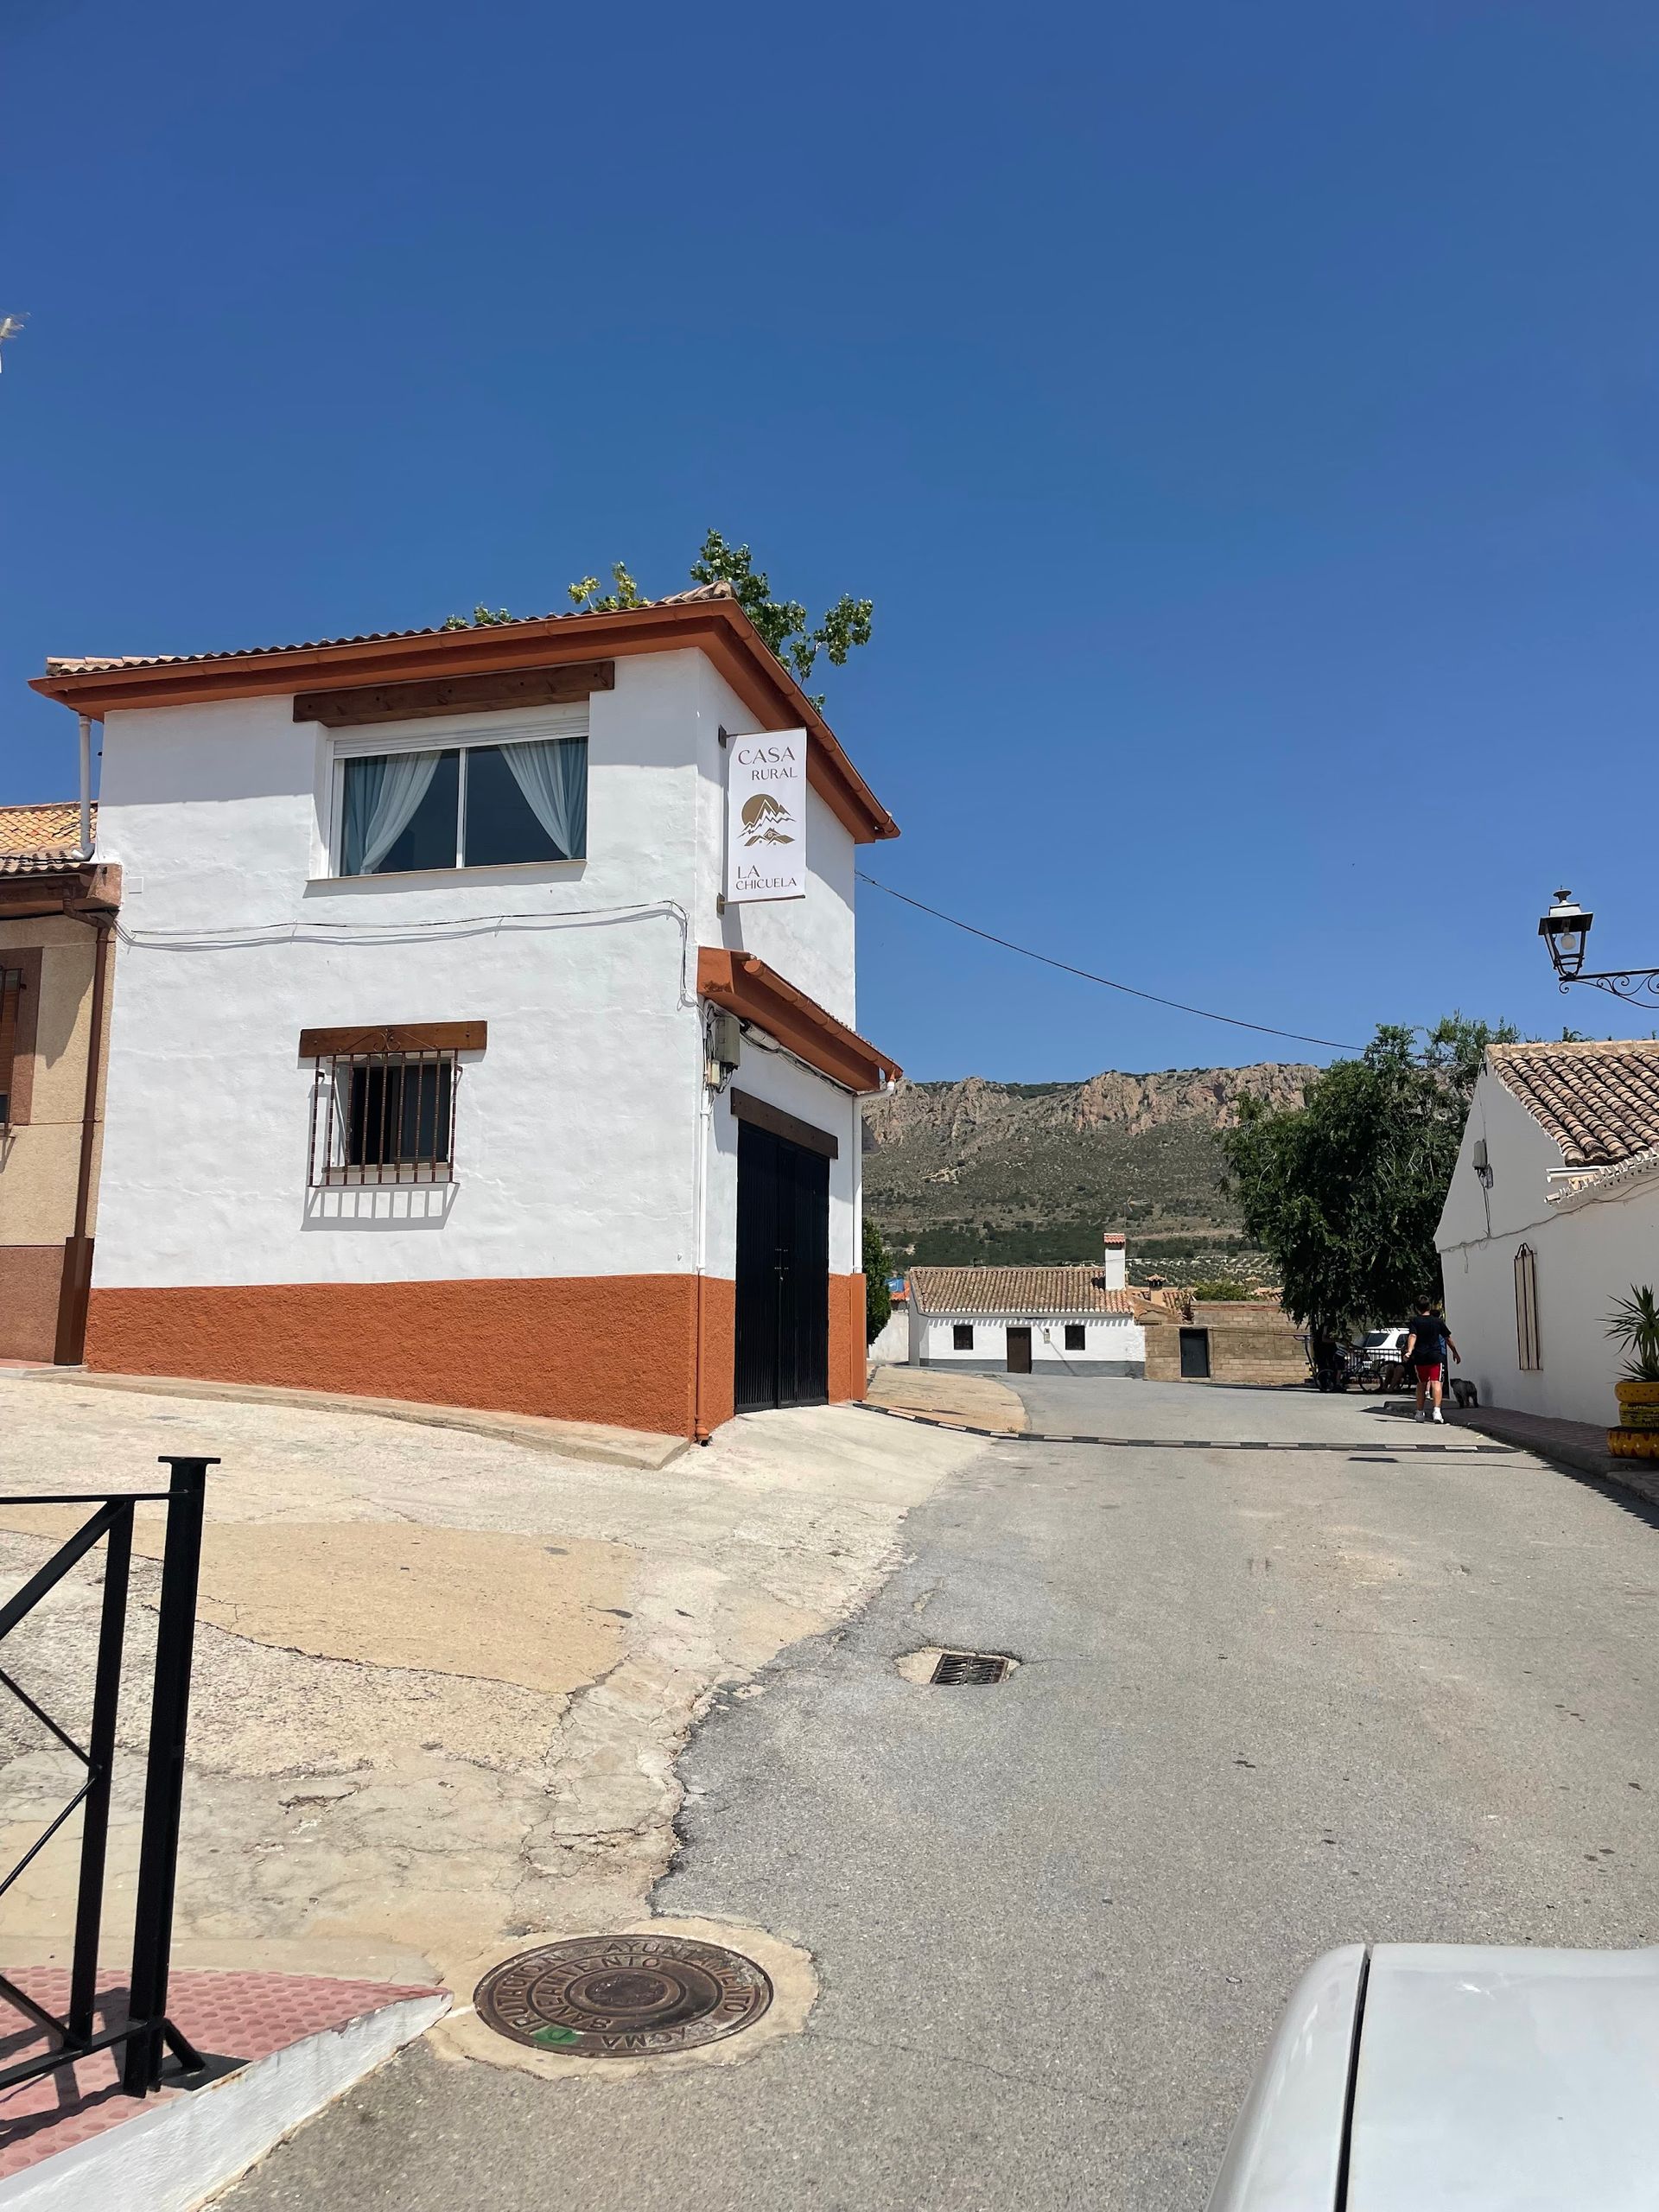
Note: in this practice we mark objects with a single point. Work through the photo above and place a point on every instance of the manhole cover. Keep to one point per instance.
(616, 1996)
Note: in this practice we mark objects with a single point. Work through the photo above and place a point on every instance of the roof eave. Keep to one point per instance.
(79, 887)
(744, 985)
(718, 627)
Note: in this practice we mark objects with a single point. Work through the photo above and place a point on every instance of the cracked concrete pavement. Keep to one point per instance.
(442, 1679)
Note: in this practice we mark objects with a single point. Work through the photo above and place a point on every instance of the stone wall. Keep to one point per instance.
(1250, 1341)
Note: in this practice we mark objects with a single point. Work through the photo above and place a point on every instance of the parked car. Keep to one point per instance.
(1412, 2077)
(1383, 1351)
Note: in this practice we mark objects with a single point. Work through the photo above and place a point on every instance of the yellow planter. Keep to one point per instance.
(1637, 1394)
(1633, 1443)
(1638, 1416)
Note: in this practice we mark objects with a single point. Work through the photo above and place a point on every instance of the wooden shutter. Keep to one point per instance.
(1526, 1310)
(11, 994)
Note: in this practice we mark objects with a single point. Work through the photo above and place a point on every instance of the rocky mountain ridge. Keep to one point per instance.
(1003, 1173)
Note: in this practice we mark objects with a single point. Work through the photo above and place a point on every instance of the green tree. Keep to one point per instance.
(586, 599)
(783, 623)
(878, 1266)
(1344, 1192)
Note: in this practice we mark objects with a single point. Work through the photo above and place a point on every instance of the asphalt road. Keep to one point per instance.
(1268, 1702)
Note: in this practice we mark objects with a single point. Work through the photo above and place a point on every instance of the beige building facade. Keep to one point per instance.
(1223, 1340)
(57, 914)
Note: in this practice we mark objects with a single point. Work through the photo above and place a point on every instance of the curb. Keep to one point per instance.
(1178, 1443)
(620, 1447)
(1573, 1457)
(178, 2154)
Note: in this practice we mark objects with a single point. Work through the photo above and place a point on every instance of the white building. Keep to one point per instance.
(1552, 1216)
(1011, 1320)
(416, 1081)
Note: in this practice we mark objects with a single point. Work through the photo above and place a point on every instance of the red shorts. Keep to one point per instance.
(1428, 1371)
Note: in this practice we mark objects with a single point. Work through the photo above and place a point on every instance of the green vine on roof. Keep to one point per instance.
(783, 623)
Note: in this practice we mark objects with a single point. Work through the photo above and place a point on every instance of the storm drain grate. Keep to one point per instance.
(954, 1667)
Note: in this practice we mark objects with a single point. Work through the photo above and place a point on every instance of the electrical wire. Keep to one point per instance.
(315, 931)
(1261, 1028)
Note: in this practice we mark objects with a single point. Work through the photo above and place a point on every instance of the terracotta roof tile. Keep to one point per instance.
(1028, 1291)
(1598, 1101)
(40, 840)
(58, 665)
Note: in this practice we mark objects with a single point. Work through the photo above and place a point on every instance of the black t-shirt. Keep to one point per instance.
(1430, 1331)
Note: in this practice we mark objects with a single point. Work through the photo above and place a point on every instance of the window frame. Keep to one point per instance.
(332, 1116)
(1076, 1336)
(962, 1336)
(21, 971)
(12, 987)
(438, 734)
(1528, 1349)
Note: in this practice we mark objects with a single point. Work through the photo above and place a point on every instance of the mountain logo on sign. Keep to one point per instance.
(763, 818)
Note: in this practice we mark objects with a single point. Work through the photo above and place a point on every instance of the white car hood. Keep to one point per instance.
(1449, 2077)
(1506, 2080)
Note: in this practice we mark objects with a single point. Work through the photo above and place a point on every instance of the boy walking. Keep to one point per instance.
(1427, 1339)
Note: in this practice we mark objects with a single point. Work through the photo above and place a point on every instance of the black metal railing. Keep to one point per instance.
(140, 2042)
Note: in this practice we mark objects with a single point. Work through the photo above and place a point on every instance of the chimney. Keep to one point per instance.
(1114, 1266)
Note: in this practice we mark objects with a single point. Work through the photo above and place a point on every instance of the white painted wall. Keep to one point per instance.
(1586, 1257)
(1107, 1338)
(890, 1346)
(583, 1131)
(810, 940)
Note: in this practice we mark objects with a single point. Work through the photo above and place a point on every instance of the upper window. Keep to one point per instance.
(469, 806)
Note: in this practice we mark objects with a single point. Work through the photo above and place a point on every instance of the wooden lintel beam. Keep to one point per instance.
(761, 1116)
(496, 693)
(395, 1037)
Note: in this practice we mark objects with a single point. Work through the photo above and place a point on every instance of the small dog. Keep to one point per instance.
(1463, 1394)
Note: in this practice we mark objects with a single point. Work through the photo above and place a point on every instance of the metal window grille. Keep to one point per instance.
(962, 1337)
(383, 1117)
(1526, 1310)
(12, 989)
(1076, 1339)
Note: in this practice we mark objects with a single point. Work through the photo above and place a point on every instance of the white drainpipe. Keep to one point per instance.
(86, 787)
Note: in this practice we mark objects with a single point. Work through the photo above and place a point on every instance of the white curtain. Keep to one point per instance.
(552, 773)
(381, 797)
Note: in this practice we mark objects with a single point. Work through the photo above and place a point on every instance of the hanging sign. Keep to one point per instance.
(765, 816)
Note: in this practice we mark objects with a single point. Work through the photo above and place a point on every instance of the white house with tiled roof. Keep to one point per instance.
(1552, 1216)
(442, 1066)
(1014, 1320)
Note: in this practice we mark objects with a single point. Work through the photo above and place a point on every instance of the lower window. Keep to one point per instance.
(383, 1117)
(1076, 1337)
(962, 1337)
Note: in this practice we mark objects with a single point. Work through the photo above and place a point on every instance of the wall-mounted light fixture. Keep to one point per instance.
(1566, 928)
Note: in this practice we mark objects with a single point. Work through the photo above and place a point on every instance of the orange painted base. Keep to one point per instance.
(618, 1349)
(847, 1341)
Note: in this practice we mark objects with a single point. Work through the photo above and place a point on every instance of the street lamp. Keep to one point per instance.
(1565, 928)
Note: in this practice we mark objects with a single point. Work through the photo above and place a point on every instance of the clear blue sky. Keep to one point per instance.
(1245, 418)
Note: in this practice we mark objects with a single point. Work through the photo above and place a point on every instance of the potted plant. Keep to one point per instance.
(1634, 1325)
